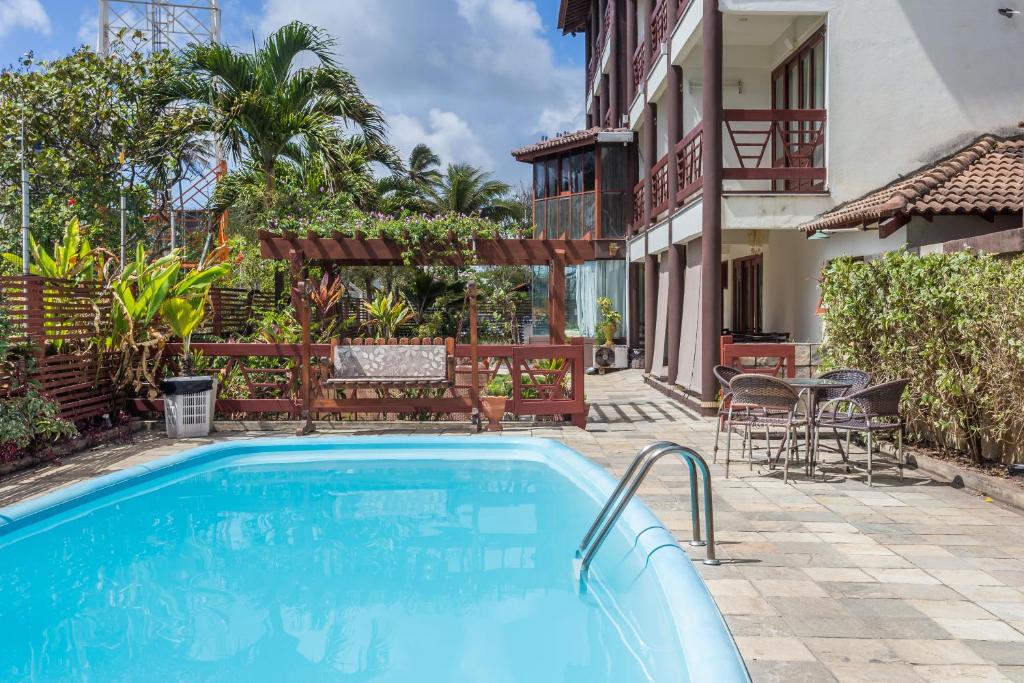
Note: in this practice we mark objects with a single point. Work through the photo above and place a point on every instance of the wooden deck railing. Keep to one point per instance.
(547, 380)
(768, 359)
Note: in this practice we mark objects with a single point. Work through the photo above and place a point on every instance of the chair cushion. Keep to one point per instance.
(391, 362)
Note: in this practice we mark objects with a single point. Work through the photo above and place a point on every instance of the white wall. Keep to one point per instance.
(912, 80)
(792, 264)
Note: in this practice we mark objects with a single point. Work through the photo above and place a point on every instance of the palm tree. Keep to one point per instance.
(468, 190)
(263, 108)
(423, 167)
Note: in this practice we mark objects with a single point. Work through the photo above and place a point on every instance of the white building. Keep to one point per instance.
(755, 117)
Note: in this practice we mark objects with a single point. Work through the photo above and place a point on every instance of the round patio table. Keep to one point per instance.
(812, 385)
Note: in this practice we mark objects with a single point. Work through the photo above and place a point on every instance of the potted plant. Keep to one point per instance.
(189, 400)
(494, 401)
(610, 319)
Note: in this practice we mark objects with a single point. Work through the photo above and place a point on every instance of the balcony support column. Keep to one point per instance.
(556, 299)
(650, 309)
(674, 319)
(711, 233)
(630, 49)
(633, 320)
(649, 157)
(672, 90)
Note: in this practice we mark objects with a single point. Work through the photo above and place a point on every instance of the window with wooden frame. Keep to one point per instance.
(799, 83)
(563, 195)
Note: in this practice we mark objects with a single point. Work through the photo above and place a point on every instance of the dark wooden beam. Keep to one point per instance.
(380, 252)
(1002, 242)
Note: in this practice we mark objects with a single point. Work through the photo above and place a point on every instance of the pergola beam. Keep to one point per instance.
(356, 251)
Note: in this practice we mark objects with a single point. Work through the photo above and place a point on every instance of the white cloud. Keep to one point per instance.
(88, 29)
(446, 133)
(23, 14)
(472, 78)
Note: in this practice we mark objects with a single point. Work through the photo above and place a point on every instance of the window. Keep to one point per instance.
(799, 83)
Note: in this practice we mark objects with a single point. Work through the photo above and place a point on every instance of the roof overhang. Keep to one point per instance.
(612, 137)
(581, 138)
(572, 15)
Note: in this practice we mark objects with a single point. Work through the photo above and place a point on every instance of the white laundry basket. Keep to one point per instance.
(188, 405)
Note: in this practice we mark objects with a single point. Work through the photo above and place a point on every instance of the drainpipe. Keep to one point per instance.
(711, 233)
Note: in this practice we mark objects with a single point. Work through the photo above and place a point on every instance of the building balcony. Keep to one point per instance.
(766, 151)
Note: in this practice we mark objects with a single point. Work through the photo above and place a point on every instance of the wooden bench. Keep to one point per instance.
(422, 364)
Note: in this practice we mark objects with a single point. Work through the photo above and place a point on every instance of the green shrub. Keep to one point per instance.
(951, 323)
(31, 420)
(501, 385)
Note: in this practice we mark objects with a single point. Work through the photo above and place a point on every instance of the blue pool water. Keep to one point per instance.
(414, 560)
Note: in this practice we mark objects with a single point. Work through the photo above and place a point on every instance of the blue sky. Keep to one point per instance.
(472, 78)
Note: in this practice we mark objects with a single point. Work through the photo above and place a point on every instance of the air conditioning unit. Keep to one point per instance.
(611, 357)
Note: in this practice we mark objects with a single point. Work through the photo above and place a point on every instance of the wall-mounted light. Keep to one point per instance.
(820, 235)
(1008, 12)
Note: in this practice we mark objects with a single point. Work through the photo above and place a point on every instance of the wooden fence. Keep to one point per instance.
(57, 322)
(539, 389)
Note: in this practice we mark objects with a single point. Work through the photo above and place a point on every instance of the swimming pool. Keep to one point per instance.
(354, 559)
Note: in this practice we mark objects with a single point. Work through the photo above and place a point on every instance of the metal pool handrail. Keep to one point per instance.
(627, 488)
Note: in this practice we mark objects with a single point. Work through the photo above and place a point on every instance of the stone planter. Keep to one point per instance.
(493, 408)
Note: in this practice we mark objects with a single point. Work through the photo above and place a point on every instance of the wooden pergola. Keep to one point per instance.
(300, 251)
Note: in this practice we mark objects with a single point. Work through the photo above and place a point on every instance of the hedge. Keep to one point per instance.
(954, 325)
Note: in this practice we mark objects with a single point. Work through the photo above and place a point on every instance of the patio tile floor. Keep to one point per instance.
(821, 580)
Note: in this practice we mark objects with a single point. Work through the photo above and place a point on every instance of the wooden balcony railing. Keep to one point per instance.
(639, 65)
(659, 187)
(782, 149)
(783, 146)
(659, 25)
(594, 66)
(638, 207)
(690, 163)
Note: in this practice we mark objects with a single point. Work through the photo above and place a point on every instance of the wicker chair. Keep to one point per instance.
(857, 379)
(724, 374)
(769, 402)
(874, 409)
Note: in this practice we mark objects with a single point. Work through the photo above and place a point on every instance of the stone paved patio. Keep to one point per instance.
(820, 581)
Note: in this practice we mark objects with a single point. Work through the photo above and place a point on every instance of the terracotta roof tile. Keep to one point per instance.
(561, 141)
(985, 178)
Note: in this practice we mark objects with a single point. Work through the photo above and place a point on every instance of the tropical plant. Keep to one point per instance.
(500, 385)
(72, 259)
(386, 314)
(468, 190)
(264, 108)
(142, 290)
(423, 168)
(609, 315)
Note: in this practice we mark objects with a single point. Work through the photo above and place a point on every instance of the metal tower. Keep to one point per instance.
(162, 24)
(152, 26)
